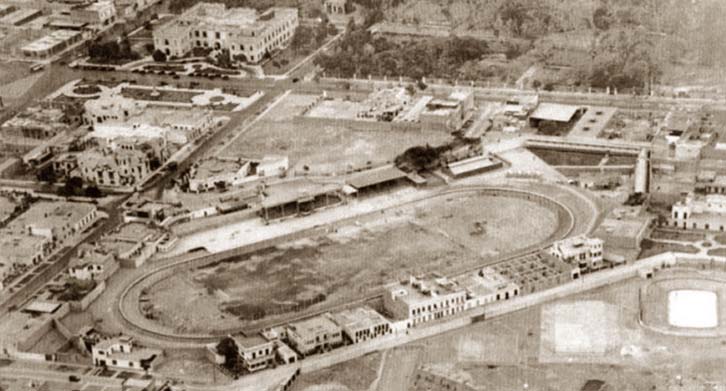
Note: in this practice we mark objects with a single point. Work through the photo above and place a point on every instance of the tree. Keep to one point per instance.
(301, 39)
(72, 187)
(159, 56)
(47, 174)
(93, 191)
(228, 348)
(349, 7)
(601, 18)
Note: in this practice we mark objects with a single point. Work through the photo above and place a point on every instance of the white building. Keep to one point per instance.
(584, 252)
(700, 212)
(362, 323)
(420, 301)
(51, 44)
(120, 352)
(56, 221)
(215, 172)
(272, 166)
(256, 352)
(100, 13)
(247, 34)
(92, 264)
(486, 286)
(315, 334)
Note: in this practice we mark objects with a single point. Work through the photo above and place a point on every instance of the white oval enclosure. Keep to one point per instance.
(693, 309)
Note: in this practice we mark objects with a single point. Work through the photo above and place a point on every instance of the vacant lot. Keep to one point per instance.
(442, 235)
(323, 149)
(354, 375)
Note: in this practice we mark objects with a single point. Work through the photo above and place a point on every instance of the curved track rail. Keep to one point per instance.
(158, 274)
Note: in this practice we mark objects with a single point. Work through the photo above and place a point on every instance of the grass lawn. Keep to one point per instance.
(650, 248)
(678, 235)
(160, 95)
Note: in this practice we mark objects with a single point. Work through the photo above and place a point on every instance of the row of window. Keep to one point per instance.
(435, 306)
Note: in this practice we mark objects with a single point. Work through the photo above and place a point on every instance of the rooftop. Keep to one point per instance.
(50, 41)
(214, 166)
(89, 255)
(359, 318)
(250, 342)
(414, 289)
(50, 215)
(296, 190)
(472, 164)
(628, 227)
(313, 326)
(19, 247)
(554, 112)
(240, 18)
(134, 232)
(18, 16)
(375, 176)
(484, 283)
(46, 307)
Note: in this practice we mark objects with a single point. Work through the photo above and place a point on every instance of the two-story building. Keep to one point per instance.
(256, 352)
(362, 323)
(584, 252)
(315, 334)
(424, 300)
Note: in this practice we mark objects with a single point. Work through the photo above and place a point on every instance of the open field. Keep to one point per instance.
(323, 149)
(354, 375)
(438, 235)
(13, 70)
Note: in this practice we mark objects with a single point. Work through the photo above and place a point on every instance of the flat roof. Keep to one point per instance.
(18, 16)
(251, 341)
(313, 326)
(625, 227)
(49, 214)
(136, 232)
(472, 164)
(46, 307)
(375, 176)
(51, 41)
(359, 318)
(554, 112)
(288, 192)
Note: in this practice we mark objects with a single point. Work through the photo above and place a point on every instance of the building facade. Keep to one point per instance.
(362, 323)
(256, 352)
(700, 212)
(315, 334)
(114, 168)
(120, 352)
(420, 301)
(247, 34)
(584, 252)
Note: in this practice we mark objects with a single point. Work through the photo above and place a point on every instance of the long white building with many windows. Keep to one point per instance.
(247, 34)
